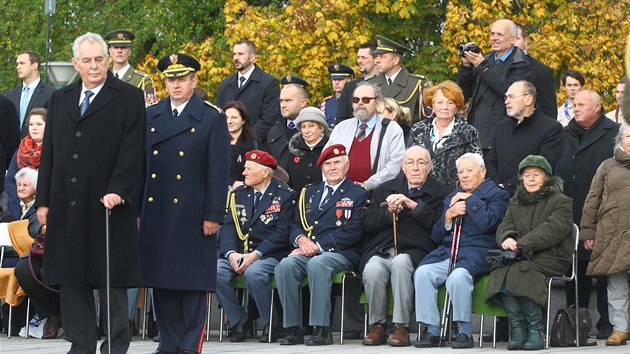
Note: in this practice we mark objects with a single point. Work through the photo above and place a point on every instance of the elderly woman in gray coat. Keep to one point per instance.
(605, 225)
(537, 226)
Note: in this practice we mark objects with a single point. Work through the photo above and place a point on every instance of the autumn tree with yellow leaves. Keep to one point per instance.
(587, 36)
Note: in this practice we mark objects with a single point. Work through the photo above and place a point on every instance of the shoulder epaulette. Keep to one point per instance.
(358, 185)
(425, 82)
(213, 106)
(141, 73)
(152, 104)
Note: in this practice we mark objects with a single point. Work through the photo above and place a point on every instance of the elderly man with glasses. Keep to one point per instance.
(375, 145)
(397, 229)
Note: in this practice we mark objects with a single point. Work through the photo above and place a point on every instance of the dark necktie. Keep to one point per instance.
(175, 113)
(389, 81)
(257, 197)
(412, 191)
(361, 132)
(241, 81)
(329, 192)
(116, 74)
(86, 102)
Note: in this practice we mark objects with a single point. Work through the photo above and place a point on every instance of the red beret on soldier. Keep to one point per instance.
(330, 152)
(262, 158)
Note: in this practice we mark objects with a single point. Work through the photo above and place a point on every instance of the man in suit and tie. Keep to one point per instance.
(254, 238)
(367, 66)
(258, 90)
(90, 167)
(33, 92)
(326, 238)
(119, 42)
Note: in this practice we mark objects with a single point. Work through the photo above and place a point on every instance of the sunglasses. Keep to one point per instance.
(365, 100)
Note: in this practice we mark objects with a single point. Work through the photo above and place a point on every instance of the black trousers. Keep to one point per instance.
(45, 302)
(181, 318)
(584, 294)
(78, 316)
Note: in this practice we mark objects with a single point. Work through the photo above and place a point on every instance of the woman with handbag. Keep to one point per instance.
(28, 270)
(605, 225)
(537, 227)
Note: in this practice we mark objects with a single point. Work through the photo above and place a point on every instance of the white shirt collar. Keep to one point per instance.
(95, 90)
(393, 77)
(121, 73)
(180, 108)
(32, 86)
(247, 74)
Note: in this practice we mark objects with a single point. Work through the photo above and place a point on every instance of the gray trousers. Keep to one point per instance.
(320, 271)
(256, 279)
(380, 271)
(459, 285)
(618, 301)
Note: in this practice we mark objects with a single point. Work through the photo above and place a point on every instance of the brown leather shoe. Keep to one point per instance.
(400, 337)
(617, 338)
(377, 336)
(51, 328)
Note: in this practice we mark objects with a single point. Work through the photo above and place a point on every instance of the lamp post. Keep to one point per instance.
(49, 9)
(60, 73)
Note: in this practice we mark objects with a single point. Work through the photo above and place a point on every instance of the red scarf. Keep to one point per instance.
(28, 153)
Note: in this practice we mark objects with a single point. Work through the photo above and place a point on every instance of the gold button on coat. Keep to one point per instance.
(181, 153)
(178, 177)
(152, 130)
(153, 175)
(155, 152)
(150, 199)
(175, 200)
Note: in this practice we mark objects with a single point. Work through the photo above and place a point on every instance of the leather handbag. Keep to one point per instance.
(37, 247)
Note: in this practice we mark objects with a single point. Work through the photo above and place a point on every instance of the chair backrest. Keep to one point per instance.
(20, 239)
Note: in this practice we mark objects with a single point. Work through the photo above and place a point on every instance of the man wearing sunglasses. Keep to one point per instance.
(375, 145)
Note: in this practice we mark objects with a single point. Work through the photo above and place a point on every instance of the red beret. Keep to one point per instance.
(330, 152)
(262, 158)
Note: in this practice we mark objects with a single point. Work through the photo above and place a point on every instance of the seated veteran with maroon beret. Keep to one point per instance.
(253, 239)
(326, 237)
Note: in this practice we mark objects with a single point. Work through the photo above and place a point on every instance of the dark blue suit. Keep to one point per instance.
(186, 177)
(337, 229)
(268, 229)
(330, 105)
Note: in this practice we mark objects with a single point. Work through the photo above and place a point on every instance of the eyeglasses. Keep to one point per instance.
(511, 97)
(420, 163)
(365, 100)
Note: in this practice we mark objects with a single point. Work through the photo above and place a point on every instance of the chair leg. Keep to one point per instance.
(270, 318)
(221, 324)
(481, 332)
(494, 332)
(208, 317)
(343, 304)
(548, 313)
(10, 315)
(28, 310)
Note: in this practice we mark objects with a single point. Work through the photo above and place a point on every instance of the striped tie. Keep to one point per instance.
(361, 133)
(26, 97)
(86, 102)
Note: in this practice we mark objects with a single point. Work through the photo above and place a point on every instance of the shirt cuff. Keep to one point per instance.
(228, 253)
(260, 254)
(448, 226)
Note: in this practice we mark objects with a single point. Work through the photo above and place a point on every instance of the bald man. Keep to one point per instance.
(485, 78)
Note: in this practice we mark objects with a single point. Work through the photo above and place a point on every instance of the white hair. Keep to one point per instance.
(28, 172)
(89, 37)
(619, 137)
(471, 155)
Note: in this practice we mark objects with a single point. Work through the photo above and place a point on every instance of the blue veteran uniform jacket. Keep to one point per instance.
(266, 230)
(485, 209)
(187, 170)
(337, 225)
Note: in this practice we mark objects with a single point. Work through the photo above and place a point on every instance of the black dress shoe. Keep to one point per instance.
(428, 340)
(462, 341)
(294, 336)
(321, 336)
(238, 332)
(264, 338)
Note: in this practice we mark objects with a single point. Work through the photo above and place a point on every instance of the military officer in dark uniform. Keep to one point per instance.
(187, 174)
(396, 82)
(339, 74)
(119, 42)
(326, 237)
(254, 238)
(293, 98)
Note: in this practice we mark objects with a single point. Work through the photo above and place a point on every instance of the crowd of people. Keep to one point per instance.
(407, 183)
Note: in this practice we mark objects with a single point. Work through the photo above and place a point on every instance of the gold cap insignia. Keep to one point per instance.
(288, 78)
(336, 151)
(336, 67)
(121, 36)
(253, 156)
(173, 58)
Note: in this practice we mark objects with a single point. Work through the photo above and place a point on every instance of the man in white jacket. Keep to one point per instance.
(375, 144)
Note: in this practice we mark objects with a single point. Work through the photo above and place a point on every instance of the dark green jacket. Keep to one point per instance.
(540, 222)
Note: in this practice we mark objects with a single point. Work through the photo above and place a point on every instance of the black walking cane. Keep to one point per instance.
(457, 232)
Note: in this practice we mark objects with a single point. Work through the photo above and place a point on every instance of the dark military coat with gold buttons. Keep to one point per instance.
(187, 170)
(265, 229)
(336, 224)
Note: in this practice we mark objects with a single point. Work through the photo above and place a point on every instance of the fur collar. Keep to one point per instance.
(523, 197)
(298, 147)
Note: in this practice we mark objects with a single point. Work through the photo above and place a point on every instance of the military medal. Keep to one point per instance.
(338, 214)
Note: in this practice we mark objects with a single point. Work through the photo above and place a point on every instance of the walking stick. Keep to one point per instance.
(107, 282)
(457, 232)
(384, 205)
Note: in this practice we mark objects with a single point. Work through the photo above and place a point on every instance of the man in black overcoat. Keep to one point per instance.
(90, 165)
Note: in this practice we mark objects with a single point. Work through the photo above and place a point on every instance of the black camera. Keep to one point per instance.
(470, 47)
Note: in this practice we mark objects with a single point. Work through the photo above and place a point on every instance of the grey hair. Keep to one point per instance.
(28, 172)
(416, 147)
(619, 137)
(89, 37)
(471, 155)
(514, 30)
(377, 90)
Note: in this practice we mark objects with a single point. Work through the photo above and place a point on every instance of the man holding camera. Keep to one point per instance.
(485, 78)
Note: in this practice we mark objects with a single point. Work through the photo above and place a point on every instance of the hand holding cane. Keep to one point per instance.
(394, 218)
(457, 232)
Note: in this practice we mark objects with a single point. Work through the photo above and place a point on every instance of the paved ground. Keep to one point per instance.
(57, 346)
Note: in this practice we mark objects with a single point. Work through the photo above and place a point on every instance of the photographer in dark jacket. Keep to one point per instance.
(416, 198)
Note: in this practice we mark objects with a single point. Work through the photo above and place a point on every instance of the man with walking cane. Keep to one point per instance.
(91, 160)
(397, 237)
(460, 259)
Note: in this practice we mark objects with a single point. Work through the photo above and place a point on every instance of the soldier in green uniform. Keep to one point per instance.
(395, 81)
(119, 42)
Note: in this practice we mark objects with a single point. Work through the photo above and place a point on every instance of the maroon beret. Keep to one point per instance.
(262, 158)
(330, 152)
